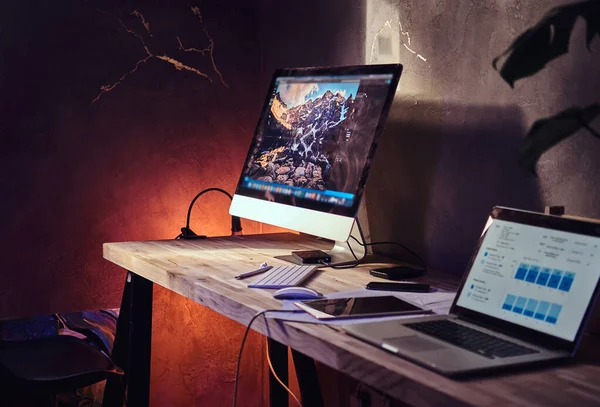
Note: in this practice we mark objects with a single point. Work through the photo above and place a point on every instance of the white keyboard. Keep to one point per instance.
(284, 276)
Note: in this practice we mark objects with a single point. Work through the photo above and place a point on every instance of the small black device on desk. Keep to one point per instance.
(397, 272)
(407, 287)
(311, 256)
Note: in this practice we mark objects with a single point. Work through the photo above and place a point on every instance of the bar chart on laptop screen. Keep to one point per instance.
(535, 277)
(538, 309)
(532, 308)
(552, 278)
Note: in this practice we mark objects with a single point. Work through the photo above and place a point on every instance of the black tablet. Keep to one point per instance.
(359, 307)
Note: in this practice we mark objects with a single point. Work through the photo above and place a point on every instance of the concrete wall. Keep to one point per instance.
(73, 176)
(450, 148)
(77, 170)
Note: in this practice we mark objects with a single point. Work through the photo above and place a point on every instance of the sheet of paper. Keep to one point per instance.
(438, 301)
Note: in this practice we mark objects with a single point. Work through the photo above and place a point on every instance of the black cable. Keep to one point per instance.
(187, 233)
(345, 266)
(189, 214)
(239, 359)
(419, 258)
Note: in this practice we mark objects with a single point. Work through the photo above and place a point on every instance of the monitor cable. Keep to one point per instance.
(415, 255)
(187, 233)
(239, 359)
(345, 265)
(356, 262)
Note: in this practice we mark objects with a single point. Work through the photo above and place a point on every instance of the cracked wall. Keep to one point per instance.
(113, 116)
(112, 120)
(105, 139)
(449, 152)
(207, 51)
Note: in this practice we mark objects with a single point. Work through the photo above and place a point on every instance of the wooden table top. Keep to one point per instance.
(204, 270)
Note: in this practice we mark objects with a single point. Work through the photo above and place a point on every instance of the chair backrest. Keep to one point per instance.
(54, 364)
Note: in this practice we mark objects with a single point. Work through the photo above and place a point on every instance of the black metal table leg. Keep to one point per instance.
(278, 354)
(114, 390)
(132, 345)
(307, 380)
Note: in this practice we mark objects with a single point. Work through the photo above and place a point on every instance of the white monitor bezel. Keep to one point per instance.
(322, 224)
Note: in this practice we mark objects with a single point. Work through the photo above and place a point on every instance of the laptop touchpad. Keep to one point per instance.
(414, 343)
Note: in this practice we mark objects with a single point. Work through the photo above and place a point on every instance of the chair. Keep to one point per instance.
(48, 366)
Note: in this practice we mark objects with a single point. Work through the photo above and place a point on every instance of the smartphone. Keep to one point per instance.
(410, 287)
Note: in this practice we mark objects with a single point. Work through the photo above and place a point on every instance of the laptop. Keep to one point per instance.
(528, 292)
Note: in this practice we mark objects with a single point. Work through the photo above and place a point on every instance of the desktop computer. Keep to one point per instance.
(313, 146)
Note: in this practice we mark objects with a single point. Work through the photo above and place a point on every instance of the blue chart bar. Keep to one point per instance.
(566, 282)
(519, 305)
(522, 271)
(532, 274)
(530, 308)
(555, 279)
(508, 303)
(542, 310)
(552, 316)
(543, 277)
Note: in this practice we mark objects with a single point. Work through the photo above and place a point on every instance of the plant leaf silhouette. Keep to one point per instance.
(546, 133)
(547, 40)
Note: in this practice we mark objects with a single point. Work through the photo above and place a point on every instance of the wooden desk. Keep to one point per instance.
(204, 270)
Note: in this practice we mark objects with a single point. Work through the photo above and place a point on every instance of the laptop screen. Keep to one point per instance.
(539, 278)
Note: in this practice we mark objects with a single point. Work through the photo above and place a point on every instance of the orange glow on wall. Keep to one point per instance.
(194, 354)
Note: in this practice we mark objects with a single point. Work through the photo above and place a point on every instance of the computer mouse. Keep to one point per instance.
(296, 293)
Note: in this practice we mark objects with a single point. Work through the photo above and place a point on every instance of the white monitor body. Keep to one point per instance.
(322, 223)
(326, 225)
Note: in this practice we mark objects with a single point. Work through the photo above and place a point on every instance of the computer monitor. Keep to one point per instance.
(313, 146)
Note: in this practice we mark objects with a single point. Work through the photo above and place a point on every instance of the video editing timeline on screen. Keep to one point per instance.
(525, 275)
(314, 139)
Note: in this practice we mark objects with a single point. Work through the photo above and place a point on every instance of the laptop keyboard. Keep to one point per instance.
(470, 339)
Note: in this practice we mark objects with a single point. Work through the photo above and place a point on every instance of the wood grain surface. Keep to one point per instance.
(204, 270)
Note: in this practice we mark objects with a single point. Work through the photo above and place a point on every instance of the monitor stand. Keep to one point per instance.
(341, 254)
